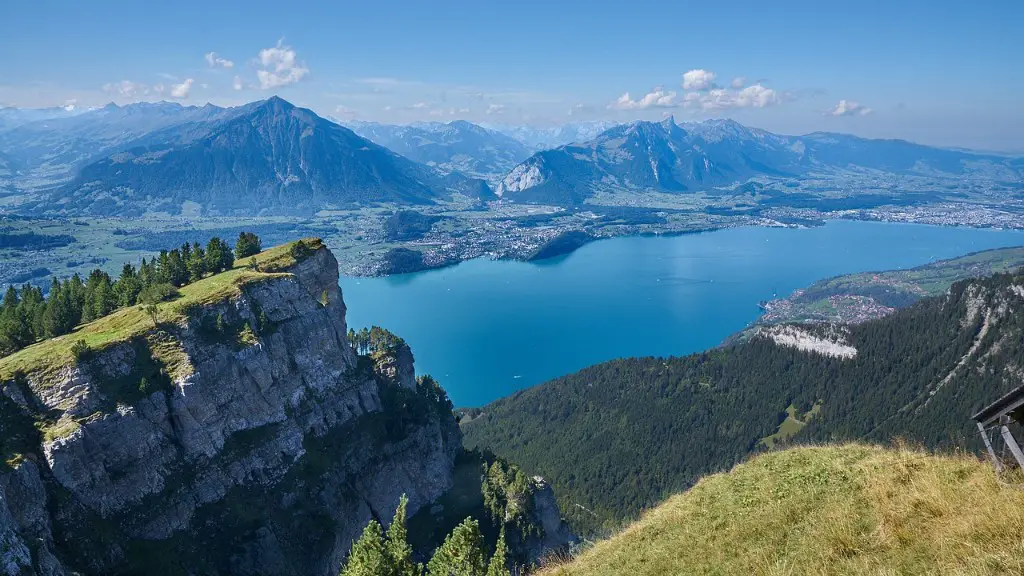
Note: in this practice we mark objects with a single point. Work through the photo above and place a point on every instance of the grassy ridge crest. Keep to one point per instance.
(841, 509)
(46, 357)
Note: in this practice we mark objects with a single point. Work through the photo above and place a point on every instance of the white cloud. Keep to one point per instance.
(280, 67)
(387, 82)
(216, 61)
(849, 108)
(181, 91)
(496, 109)
(698, 80)
(237, 83)
(419, 106)
(657, 98)
(756, 96)
(579, 107)
(126, 88)
(738, 82)
(343, 111)
(753, 96)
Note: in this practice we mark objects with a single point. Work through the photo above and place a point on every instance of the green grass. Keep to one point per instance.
(46, 357)
(792, 424)
(60, 429)
(850, 509)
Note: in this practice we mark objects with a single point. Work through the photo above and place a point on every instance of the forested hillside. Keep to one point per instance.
(621, 436)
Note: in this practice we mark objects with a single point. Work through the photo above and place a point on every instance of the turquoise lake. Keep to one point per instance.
(487, 328)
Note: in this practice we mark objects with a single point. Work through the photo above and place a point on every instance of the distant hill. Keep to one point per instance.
(456, 146)
(846, 509)
(265, 157)
(674, 158)
(619, 437)
(865, 296)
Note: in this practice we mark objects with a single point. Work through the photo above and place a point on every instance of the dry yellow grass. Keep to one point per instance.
(851, 509)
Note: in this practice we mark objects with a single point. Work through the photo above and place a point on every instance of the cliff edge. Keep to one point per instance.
(236, 431)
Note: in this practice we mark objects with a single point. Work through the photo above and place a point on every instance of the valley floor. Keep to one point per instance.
(463, 230)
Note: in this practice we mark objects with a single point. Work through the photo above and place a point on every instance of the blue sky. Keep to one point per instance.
(940, 72)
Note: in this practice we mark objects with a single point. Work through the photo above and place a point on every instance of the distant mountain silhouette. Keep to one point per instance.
(265, 157)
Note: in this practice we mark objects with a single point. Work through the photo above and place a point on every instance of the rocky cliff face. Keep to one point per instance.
(264, 448)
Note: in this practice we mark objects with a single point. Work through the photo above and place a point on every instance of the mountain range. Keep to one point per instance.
(456, 146)
(674, 158)
(265, 157)
(51, 148)
(270, 157)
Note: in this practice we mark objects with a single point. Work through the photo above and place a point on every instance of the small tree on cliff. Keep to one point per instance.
(497, 566)
(248, 244)
(462, 553)
(218, 255)
(300, 250)
(367, 557)
(397, 549)
(375, 555)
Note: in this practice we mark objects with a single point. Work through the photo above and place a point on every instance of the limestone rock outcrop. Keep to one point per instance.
(264, 454)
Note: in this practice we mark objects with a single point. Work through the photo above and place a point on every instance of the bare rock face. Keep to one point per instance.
(263, 455)
(555, 533)
(397, 366)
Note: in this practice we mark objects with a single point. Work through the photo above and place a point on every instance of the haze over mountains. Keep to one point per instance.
(11, 117)
(456, 146)
(270, 157)
(543, 138)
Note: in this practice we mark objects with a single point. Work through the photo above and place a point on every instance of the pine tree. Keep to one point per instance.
(11, 325)
(367, 557)
(177, 269)
(162, 268)
(147, 275)
(497, 565)
(461, 554)
(248, 244)
(60, 314)
(397, 549)
(127, 286)
(197, 263)
(218, 256)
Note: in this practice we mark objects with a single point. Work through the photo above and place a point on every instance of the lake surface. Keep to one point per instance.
(487, 328)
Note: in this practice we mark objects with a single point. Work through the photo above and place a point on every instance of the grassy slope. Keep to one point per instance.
(50, 355)
(851, 509)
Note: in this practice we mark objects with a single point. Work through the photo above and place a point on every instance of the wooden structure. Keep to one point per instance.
(993, 420)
